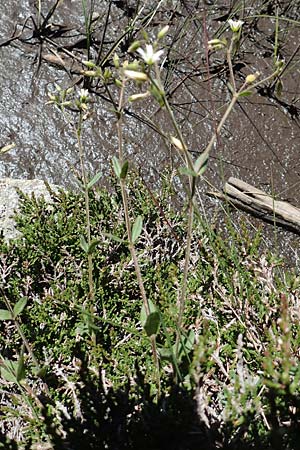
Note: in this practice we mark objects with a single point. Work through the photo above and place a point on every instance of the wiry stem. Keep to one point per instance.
(88, 221)
(129, 233)
(191, 209)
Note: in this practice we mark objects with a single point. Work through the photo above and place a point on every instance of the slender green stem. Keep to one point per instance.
(229, 62)
(88, 221)
(129, 233)
(191, 209)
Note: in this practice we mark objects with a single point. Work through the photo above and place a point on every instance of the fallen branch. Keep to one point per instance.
(260, 204)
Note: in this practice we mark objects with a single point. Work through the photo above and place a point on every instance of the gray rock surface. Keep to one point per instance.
(9, 200)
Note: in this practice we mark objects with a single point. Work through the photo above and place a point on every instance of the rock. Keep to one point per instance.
(9, 200)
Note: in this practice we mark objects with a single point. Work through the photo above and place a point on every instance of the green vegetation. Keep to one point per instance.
(236, 371)
(127, 323)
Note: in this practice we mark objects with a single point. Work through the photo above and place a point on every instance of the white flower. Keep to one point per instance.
(149, 56)
(235, 25)
(83, 94)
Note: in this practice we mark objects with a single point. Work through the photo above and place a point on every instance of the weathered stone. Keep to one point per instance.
(9, 201)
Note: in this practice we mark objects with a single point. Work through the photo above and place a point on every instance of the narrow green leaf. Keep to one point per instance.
(20, 374)
(200, 163)
(165, 353)
(19, 306)
(93, 246)
(143, 315)
(189, 341)
(203, 168)
(117, 167)
(124, 170)
(115, 238)
(245, 93)
(5, 314)
(187, 171)
(136, 228)
(230, 87)
(158, 95)
(8, 375)
(150, 322)
(84, 244)
(94, 180)
(8, 370)
(40, 371)
(186, 344)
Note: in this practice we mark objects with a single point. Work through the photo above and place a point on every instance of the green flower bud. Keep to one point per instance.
(134, 46)
(163, 32)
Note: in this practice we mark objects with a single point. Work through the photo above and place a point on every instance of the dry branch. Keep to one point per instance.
(260, 204)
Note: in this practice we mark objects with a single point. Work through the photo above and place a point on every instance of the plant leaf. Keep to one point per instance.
(20, 373)
(19, 306)
(186, 344)
(203, 168)
(93, 246)
(84, 244)
(94, 180)
(136, 228)
(143, 315)
(41, 371)
(124, 170)
(187, 171)
(115, 238)
(8, 370)
(150, 322)
(189, 341)
(5, 314)
(245, 93)
(201, 163)
(117, 167)
(165, 353)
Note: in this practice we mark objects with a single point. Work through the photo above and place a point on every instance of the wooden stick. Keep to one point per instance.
(260, 204)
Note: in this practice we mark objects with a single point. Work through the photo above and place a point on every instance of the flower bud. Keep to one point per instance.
(52, 97)
(134, 46)
(163, 32)
(89, 64)
(252, 77)
(279, 63)
(133, 66)
(90, 73)
(107, 74)
(118, 82)
(137, 76)
(116, 61)
(217, 44)
(140, 96)
(177, 142)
